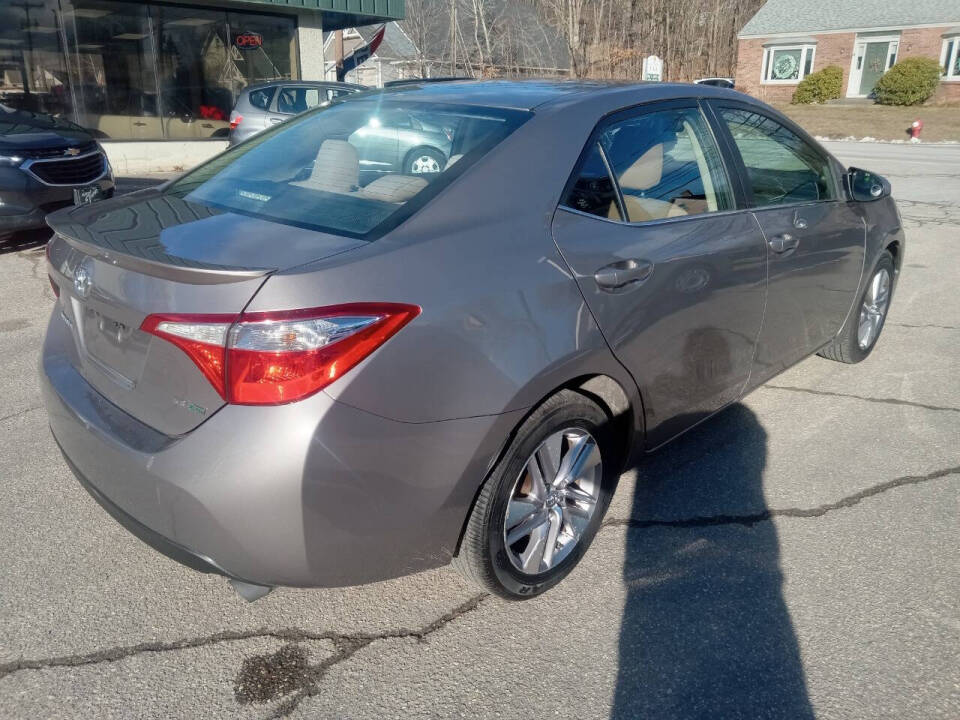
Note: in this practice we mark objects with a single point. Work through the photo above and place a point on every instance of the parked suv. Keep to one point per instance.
(46, 163)
(267, 104)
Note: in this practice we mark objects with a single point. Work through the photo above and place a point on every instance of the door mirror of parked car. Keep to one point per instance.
(865, 186)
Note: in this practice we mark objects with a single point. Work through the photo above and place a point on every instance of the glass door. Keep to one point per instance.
(874, 65)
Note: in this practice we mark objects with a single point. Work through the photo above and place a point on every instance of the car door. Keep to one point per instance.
(377, 142)
(815, 237)
(671, 269)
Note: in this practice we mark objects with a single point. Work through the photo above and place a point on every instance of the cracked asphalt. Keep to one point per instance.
(796, 556)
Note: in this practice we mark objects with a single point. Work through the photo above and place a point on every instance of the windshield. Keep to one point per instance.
(356, 167)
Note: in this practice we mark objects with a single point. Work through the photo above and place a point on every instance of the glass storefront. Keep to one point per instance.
(138, 71)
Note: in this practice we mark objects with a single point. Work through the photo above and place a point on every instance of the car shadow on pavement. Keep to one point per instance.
(705, 629)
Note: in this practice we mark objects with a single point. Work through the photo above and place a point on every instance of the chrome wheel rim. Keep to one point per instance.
(874, 309)
(553, 500)
(425, 164)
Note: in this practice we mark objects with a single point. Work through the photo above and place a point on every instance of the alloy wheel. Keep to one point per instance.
(553, 500)
(425, 164)
(874, 309)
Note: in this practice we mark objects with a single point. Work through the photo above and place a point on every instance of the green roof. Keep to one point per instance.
(338, 14)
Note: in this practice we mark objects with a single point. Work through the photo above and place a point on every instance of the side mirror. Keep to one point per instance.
(865, 186)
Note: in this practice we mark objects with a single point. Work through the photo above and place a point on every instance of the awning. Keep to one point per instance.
(336, 14)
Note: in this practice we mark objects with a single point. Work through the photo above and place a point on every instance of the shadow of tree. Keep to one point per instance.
(705, 630)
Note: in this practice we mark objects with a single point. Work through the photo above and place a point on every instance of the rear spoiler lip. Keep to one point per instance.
(154, 268)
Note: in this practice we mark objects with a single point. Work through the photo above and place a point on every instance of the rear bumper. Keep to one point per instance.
(314, 493)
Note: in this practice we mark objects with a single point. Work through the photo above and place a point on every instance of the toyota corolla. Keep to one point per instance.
(289, 370)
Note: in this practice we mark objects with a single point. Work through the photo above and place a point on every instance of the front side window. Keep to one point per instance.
(321, 171)
(787, 64)
(293, 100)
(781, 167)
(950, 58)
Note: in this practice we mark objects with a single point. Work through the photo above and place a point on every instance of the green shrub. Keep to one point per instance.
(909, 82)
(820, 86)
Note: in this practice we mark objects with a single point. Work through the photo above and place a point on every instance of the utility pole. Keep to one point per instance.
(338, 53)
(453, 36)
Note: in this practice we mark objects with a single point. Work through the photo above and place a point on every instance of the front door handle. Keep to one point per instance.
(783, 243)
(625, 272)
(276, 120)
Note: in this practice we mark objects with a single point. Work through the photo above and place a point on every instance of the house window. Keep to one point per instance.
(950, 58)
(787, 63)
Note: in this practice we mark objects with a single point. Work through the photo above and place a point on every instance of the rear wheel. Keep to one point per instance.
(862, 330)
(542, 505)
(424, 161)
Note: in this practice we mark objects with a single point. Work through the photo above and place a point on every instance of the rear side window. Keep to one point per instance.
(664, 163)
(261, 98)
(593, 191)
(667, 165)
(781, 167)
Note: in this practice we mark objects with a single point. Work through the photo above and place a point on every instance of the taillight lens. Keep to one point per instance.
(235, 119)
(279, 357)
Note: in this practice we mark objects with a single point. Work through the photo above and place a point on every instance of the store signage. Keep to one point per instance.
(248, 40)
(652, 68)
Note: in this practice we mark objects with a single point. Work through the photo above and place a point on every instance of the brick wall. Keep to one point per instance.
(836, 49)
(921, 42)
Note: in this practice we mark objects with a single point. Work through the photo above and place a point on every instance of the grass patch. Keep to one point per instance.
(940, 122)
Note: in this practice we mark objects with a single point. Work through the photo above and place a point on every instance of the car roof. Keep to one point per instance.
(541, 94)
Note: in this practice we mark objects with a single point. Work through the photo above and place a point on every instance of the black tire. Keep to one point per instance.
(482, 558)
(845, 348)
(423, 152)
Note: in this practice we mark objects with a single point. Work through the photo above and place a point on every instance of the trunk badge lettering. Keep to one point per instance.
(83, 278)
(192, 407)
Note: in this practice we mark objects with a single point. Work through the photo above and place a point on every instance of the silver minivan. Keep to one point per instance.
(266, 104)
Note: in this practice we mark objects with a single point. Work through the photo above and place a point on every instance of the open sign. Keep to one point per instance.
(248, 40)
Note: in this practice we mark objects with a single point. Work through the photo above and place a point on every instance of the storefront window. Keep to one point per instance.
(110, 52)
(32, 65)
(138, 71)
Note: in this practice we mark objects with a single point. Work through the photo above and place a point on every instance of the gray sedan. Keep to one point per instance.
(288, 371)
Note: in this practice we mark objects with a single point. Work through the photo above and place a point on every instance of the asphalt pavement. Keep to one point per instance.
(796, 556)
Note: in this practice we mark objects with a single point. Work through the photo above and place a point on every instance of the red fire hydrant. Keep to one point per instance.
(915, 127)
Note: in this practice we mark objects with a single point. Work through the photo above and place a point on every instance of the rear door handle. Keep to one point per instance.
(625, 272)
(783, 243)
(276, 120)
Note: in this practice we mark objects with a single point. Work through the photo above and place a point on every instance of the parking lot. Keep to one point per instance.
(796, 556)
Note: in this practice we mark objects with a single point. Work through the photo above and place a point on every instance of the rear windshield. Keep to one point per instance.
(356, 167)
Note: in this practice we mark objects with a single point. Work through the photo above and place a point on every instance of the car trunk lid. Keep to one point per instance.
(117, 262)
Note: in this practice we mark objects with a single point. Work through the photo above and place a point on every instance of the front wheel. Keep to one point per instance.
(540, 508)
(860, 334)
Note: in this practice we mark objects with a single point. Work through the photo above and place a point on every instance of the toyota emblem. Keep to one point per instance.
(83, 278)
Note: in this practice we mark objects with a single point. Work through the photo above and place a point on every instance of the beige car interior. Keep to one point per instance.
(646, 173)
(337, 170)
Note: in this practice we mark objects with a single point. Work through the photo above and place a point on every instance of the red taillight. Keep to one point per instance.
(279, 357)
(235, 119)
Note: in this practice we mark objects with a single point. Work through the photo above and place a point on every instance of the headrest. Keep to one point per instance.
(646, 170)
(393, 188)
(337, 167)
